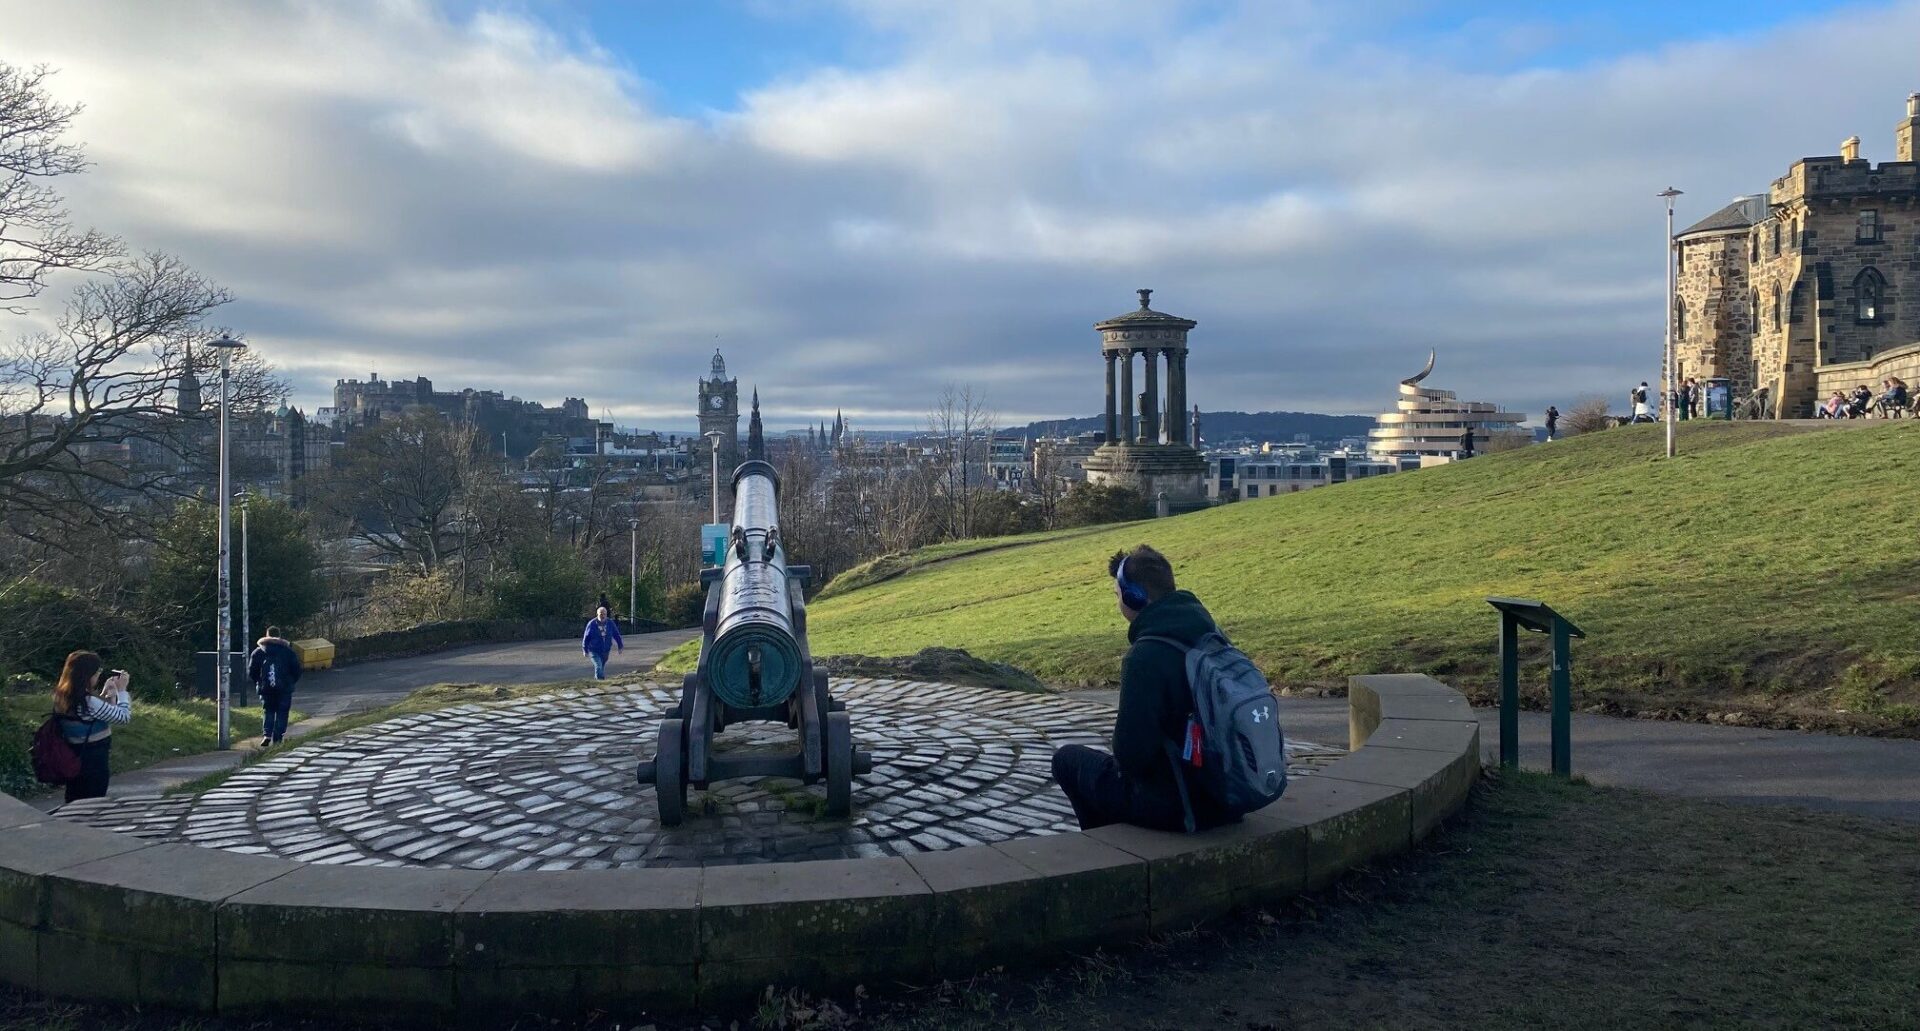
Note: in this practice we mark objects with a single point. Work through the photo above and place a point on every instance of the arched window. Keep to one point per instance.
(1776, 306)
(1774, 233)
(1869, 295)
(1753, 253)
(1680, 320)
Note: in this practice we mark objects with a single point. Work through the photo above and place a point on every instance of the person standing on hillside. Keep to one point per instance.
(602, 636)
(87, 702)
(274, 667)
(1466, 443)
(1135, 784)
(1553, 422)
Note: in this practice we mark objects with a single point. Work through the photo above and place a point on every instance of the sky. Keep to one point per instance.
(861, 201)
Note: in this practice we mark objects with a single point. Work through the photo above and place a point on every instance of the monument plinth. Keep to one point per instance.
(1151, 451)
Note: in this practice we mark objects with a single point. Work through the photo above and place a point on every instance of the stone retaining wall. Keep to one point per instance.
(89, 914)
(1903, 362)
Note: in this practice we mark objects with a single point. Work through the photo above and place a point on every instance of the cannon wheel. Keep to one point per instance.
(670, 772)
(839, 765)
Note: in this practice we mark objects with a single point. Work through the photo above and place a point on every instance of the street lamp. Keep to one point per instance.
(633, 571)
(224, 649)
(714, 437)
(246, 577)
(1669, 193)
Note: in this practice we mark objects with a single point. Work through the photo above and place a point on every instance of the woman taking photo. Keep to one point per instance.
(89, 704)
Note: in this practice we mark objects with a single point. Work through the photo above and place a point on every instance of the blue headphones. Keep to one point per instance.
(1132, 595)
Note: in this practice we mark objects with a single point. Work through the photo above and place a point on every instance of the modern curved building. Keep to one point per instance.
(1428, 422)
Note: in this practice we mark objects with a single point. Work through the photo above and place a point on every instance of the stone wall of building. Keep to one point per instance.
(1903, 362)
(1714, 320)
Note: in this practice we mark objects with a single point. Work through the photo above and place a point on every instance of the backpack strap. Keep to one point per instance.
(1173, 750)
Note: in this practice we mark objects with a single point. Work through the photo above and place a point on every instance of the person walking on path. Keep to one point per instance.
(1553, 422)
(88, 701)
(274, 668)
(602, 636)
(1466, 443)
(1135, 784)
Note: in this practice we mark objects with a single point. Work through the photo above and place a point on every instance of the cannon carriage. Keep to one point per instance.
(754, 665)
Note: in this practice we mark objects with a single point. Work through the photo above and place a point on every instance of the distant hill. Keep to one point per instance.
(1216, 426)
(1768, 571)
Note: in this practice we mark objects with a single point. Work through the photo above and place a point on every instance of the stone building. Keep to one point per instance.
(518, 427)
(1811, 286)
(1148, 449)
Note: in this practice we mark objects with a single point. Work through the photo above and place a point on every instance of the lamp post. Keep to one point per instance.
(714, 437)
(223, 651)
(633, 570)
(1669, 193)
(246, 577)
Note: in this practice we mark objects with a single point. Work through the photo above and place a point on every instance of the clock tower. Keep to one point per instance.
(720, 411)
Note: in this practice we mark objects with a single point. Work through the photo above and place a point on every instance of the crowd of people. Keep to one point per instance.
(1893, 401)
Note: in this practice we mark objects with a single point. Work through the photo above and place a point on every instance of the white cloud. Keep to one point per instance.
(483, 200)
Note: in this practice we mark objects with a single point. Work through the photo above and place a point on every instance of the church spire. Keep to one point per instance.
(187, 391)
(756, 442)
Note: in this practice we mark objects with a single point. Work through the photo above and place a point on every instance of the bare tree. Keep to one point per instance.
(36, 236)
(1588, 413)
(961, 421)
(401, 485)
(91, 425)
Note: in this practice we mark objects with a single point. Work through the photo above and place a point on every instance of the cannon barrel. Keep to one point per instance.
(756, 657)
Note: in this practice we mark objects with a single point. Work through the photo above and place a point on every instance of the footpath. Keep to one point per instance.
(1865, 776)
(327, 695)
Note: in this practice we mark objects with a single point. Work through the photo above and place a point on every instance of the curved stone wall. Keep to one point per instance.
(95, 915)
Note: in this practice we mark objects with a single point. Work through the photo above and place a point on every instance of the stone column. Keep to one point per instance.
(1176, 397)
(1149, 416)
(1112, 421)
(1126, 397)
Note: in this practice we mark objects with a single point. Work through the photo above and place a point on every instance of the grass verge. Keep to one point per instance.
(1546, 904)
(159, 731)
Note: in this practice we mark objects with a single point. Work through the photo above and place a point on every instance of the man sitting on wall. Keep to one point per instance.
(1136, 783)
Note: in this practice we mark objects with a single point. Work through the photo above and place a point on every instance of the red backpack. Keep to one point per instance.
(54, 760)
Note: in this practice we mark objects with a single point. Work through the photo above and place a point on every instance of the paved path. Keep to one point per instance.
(326, 695)
(1865, 776)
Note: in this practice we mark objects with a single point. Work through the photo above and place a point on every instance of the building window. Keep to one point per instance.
(1680, 321)
(1868, 229)
(1680, 258)
(1753, 253)
(1776, 307)
(1775, 234)
(1869, 295)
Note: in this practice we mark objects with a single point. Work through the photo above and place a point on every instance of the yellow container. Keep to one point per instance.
(315, 653)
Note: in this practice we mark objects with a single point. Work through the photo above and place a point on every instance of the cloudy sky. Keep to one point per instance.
(861, 200)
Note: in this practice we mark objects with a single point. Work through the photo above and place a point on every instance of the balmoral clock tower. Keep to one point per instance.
(720, 410)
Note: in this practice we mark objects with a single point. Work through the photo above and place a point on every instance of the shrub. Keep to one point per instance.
(1088, 504)
(1587, 414)
(545, 580)
(406, 599)
(39, 625)
(686, 605)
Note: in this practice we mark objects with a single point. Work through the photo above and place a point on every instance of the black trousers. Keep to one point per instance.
(1102, 794)
(92, 782)
(274, 706)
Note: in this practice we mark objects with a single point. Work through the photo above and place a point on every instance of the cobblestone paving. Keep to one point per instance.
(548, 783)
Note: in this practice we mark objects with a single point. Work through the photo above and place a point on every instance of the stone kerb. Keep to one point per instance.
(91, 914)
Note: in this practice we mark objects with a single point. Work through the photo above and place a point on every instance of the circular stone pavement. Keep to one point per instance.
(547, 783)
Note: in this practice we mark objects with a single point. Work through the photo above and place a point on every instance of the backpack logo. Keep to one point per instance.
(1262, 714)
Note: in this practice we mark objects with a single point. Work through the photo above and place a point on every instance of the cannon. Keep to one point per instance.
(754, 665)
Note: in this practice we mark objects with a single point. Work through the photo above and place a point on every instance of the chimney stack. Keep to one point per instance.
(1904, 133)
(1850, 149)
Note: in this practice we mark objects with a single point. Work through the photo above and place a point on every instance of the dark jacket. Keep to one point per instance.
(274, 666)
(1155, 698)
(599, 640)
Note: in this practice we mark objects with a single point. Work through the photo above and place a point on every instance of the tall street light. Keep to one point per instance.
(246, 577)
(714, 437)
(633, 571)
(224, 649)
(1670, 193)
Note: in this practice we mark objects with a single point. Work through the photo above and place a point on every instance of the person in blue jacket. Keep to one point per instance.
(601, 638)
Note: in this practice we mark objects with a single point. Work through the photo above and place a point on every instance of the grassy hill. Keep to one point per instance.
(1770, 571)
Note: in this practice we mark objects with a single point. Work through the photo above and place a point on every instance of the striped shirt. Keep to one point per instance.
(96, 720)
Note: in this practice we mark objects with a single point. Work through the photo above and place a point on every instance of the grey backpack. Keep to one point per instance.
(1233, 750)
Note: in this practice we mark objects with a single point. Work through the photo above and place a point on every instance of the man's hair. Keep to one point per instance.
(601, 611)
(1145, 567)
(273, 631)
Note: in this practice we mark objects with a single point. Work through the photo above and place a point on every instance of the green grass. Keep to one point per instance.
(1544, 904)
(1769, 570)
(159, 731)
